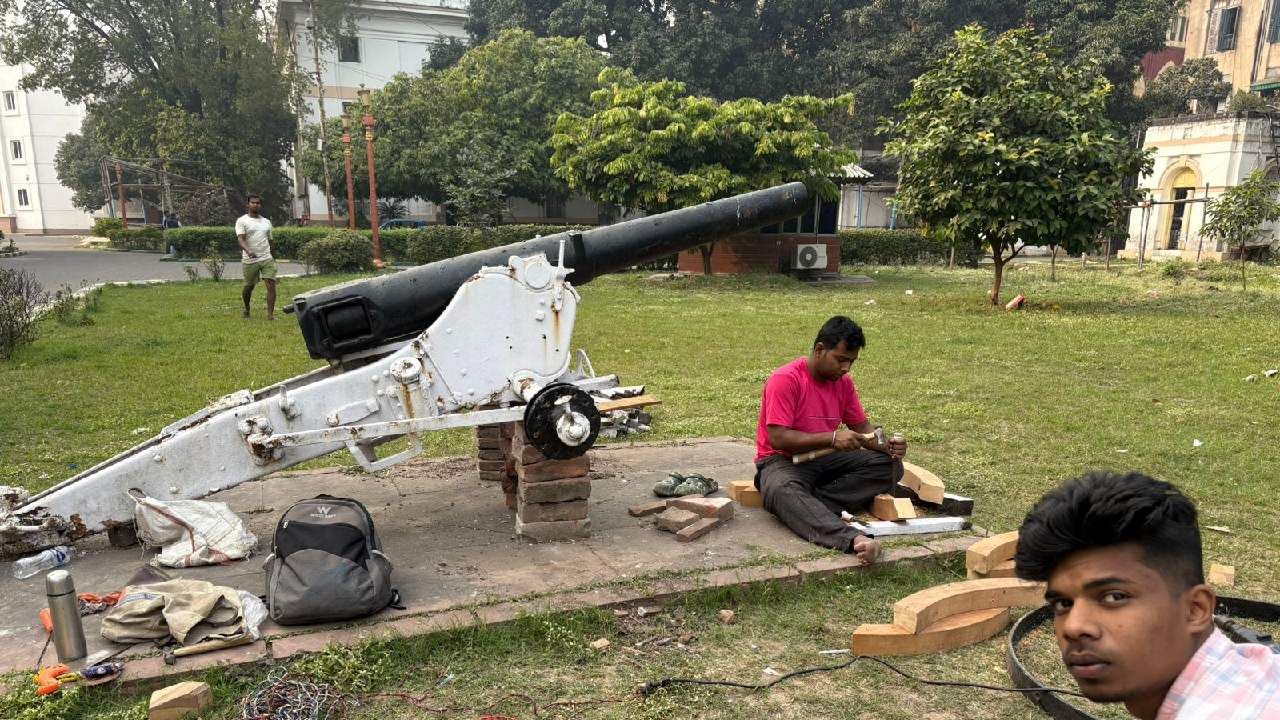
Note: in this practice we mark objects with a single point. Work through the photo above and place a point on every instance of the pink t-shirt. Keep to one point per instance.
(792, 398)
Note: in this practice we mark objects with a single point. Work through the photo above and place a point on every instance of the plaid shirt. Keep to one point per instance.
(1226, 681)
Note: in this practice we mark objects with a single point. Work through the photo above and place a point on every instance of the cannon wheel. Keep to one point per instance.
(553, 407)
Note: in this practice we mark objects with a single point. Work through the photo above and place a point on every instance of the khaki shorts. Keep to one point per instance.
(264, 269)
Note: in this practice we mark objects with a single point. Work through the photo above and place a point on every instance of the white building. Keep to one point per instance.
(1196, 157)
(32, 125)
(390, 37)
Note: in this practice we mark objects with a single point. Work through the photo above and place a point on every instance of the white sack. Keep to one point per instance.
(194, 532)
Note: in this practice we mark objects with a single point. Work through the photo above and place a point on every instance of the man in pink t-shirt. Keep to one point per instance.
(1132, 614)
(803, 406)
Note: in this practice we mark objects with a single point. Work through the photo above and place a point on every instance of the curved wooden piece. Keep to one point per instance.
(946, 634)
(888, 507)
(1003, 570)
(983, 556)
(927, 485)
(915, 612)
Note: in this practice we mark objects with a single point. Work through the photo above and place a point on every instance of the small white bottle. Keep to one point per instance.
(38, 563)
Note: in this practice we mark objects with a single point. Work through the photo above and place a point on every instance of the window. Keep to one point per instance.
(346, 107)
(349, 49)
(15, 149)
(23, 200)
(554, 207)
(1177, 32)
(1273, 32)
(1224, 19)
(10, 100)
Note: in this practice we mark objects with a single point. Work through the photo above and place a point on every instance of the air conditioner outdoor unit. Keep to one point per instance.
(810, 257)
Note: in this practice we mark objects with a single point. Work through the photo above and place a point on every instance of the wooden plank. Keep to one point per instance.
(1003, 570)
(1224, 575)
(920, 610)
(888, 507)
(951, 504)
(983, 556)
(927, 485)
(744, 493)
(628, 403)
(917, 526)
(946, 634)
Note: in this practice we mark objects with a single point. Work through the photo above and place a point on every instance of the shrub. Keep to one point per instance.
(193, 272)
(198, 241)
(215, 266)
(440, 242)
(102, 227)
(881, 246)
(70, 309)
(1176, 269)
(147, 239)
(20, 296)
(340, 251)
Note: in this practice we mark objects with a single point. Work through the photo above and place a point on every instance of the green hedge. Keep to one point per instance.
(149, 239)
(881, 246)
(398, 246)
(340, 251)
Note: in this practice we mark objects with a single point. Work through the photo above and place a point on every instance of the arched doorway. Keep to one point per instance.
(1180, 188)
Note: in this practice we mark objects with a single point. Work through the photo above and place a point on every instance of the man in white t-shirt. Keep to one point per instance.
(253, 231)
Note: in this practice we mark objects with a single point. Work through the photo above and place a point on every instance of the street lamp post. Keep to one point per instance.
(367, 121)
(351, 188)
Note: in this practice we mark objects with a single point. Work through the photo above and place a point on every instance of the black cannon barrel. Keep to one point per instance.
(363, 314)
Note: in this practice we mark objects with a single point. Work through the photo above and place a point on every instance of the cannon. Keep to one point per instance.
(473, 340)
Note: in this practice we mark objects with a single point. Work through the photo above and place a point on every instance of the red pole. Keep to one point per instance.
(367, 121)
(124, 212)
(351, 188)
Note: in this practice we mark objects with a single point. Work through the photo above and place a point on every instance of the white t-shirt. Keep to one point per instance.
(257, 235)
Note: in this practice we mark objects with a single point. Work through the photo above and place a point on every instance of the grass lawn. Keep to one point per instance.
(1122, 370)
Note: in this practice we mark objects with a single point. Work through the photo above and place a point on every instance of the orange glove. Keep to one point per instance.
(47, 679)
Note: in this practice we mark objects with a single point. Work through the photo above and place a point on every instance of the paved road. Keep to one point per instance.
(56, 261)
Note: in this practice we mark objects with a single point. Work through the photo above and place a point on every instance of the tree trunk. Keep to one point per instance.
(1244, 283)
(998, 257)
(951, 264)
(1053, 264)
(706, 251)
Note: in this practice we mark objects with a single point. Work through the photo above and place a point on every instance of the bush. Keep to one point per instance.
(340, 251)
(881, 246)
(198, 241)
(102, 227)
(20, 296)
(215, 266)
(1176, 269)
(440, 242)
(149, 239)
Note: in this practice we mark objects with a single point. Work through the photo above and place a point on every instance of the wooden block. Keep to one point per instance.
(983, 556)
(689, 533)
(946, 634)
(920, 610)
(1222, 575)
(744, 493)
(926, 484)
(649, 508)
(675, 519)
(887, 507)
(175, 701)
(705, 506)
(627, 403)
(1003, 570)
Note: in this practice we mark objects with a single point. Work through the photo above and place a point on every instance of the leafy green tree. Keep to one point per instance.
(1171, 93)
(503, 96)
(1005, 146)
(78, 164)
(651, 146)
(204, 82)
(1245, 101)
(1236, 216)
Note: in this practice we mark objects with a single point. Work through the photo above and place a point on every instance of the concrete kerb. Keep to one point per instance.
(281, 646)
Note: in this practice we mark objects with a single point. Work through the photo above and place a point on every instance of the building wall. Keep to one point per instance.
(1217, 151)
(39, 121)
(394, 37)
(1255, 58)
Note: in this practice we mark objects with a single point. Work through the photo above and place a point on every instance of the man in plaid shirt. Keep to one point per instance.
(1132, 613)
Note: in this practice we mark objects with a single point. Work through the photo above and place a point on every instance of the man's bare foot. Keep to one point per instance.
(866, 549)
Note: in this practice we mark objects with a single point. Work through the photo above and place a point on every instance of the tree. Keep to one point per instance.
(1236, 216)
(651, 146)
(1004, 145)
(503, 96)
(79, 168)
(203, 82)
(1173, 90)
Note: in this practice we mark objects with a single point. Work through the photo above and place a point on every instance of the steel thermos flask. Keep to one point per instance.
(64, 611)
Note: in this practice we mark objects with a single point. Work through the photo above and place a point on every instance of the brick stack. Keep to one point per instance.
(551, 495)
(491, 461)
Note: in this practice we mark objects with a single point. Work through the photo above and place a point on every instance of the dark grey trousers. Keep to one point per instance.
(808, 497)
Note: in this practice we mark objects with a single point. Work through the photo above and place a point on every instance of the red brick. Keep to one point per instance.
(492, 476)
(650, 508)
(750, 576)
(554, 469)
(492, 465)
(146, 671)
(491, 454)
(552, 531)
(507, 429)
(527, 454)
(488, 431)
(674, 519)
(706, 507)
(692, 532)
(489, 443)
(555, 490)
(551, 512)
(512, 501)
(509, 484)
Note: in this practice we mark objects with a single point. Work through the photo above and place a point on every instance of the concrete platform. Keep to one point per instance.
(457, 559)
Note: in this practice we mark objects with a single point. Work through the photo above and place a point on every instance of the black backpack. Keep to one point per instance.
(326, 564)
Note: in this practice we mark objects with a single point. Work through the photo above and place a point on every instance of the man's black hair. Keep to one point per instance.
(251, 196)
(1103, 508)
(841, 328)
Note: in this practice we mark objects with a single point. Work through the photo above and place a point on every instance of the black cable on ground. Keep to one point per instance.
(651, 687)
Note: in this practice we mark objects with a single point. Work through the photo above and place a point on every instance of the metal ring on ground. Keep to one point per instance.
(1060, 709)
